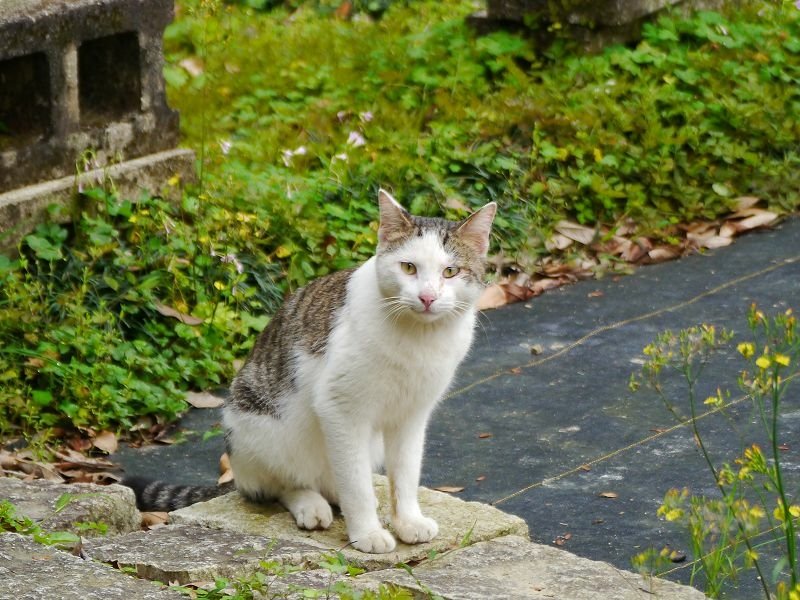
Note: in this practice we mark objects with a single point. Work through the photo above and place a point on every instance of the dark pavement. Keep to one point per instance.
(552, 414)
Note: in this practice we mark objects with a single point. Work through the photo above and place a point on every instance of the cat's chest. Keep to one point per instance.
(394, 357)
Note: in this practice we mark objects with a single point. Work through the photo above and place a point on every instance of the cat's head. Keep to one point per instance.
(431, 268)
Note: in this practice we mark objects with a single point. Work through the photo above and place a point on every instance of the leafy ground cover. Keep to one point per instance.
(299, 114)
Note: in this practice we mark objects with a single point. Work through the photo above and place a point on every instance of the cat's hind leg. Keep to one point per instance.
(309, 509)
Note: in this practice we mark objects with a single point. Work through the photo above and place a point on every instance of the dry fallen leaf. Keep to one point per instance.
(515, 292)
(562, 539)
(168, 311)
(484, 435)
(204, 400)
(662, 253)
(480, 478)
(449, 489)
(492, 297)
(225, 469)
(762, 218)
(611, 495)
(542, 285)
(154, 520)
(557, 242)
(226, 477)
(744, 202)
(192, 65)
(595, 294)
(105, 441)
(580, 233)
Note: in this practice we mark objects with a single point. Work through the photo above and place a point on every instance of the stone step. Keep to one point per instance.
(187, 553)
(112, 505)
(513, 567)
(31, 571)
(481, 552)
(459, 522)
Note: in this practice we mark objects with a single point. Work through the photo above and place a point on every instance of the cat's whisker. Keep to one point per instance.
(479, 321)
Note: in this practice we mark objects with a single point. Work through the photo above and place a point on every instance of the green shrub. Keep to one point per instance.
(110, 320)
(672, 130)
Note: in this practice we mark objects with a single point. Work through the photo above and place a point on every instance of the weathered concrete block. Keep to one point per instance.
(513, 567)
(595, 23)
(77, 75)
(113, 505)
(185, 553)
(30, 571)
(23, 208)
(80, 83)
(457, 519)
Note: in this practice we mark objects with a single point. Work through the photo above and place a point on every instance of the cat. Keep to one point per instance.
(344, 379)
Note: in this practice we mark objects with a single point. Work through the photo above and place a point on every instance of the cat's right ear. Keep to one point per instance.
(395, 220)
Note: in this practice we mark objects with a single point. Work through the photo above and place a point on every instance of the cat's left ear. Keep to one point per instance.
(475, 229)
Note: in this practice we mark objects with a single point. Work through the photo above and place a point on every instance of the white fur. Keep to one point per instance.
(370, 395)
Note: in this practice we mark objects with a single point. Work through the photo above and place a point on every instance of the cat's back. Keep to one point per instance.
(301, 326)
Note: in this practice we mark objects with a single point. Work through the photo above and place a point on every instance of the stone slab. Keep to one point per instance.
(512, 567)
(457, 520)
(23, 208)
(185, 553)
(113, 505)
(31, 571)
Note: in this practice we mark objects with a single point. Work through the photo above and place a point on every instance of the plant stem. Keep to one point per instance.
(692, 407)
(788, 522)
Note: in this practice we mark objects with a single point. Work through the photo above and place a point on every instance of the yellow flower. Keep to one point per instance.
(746, 349)
(598, 154)
(782, 359)
(763, 362)
(219, 285)
(794, 510)
(752, 555)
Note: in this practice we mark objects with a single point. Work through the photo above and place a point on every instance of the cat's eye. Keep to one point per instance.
(450, 272)
(408, 268)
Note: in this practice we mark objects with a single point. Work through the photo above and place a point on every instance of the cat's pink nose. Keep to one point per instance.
(427, 299)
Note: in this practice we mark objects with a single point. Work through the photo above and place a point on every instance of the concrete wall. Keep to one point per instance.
(81, 79)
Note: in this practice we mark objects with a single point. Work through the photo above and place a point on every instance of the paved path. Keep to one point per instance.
(551, 413)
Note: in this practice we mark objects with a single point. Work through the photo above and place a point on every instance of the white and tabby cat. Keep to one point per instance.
(345, 377)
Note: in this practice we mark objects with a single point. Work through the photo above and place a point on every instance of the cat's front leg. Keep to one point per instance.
(349, 455)
(404, 445)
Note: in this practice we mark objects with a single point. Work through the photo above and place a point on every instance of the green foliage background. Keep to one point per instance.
(298, 117)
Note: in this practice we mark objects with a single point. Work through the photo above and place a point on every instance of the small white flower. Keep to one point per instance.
(230, 258)
(342, 115)
(225, 146)
(288, 154)
(355, 139)
(341, 156)
(367, 116)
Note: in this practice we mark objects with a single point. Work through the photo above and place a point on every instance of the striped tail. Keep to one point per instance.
(161, 496)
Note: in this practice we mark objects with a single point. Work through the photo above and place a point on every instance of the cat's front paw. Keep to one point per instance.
(414, 530)
(377, 541)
